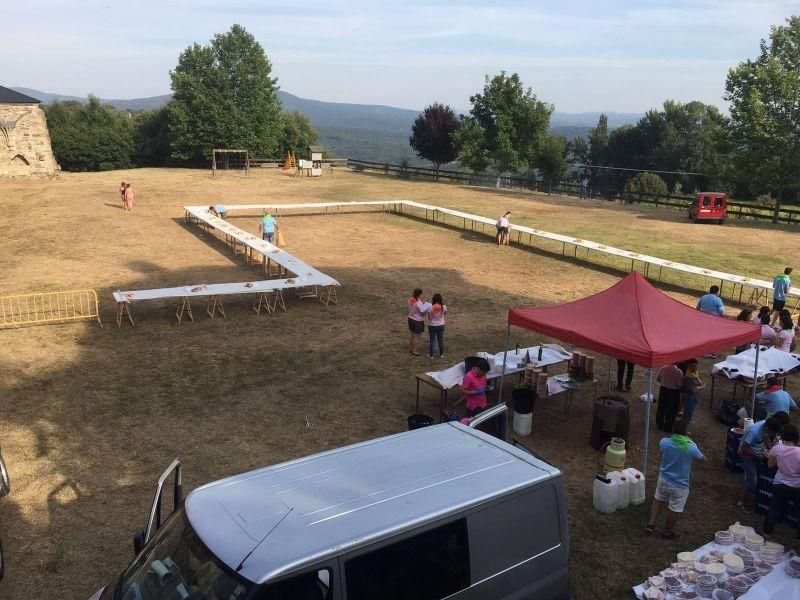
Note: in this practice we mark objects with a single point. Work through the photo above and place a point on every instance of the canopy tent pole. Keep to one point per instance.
(648, 404)
(609, 376)
(755, 379)
(503, 372)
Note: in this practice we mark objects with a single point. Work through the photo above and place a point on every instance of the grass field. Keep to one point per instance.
(90, 416)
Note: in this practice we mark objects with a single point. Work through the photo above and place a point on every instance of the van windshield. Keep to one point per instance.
(176, 564)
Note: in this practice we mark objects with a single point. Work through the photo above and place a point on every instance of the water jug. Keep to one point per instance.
(637, 485)
(605, 495)
(623, 488)
(748, 423)
(614, 459)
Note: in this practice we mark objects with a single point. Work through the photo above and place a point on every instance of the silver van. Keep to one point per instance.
(445, 511)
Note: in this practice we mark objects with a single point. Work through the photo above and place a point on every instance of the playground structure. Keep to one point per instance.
(225, 158)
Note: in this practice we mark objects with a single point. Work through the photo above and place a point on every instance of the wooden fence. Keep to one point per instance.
(49, 307)
(736, 210)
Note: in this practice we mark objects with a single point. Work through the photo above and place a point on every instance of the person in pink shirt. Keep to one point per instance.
(436, 313)
(786, 485)
(502, 226)
(474, 387)
(416, 320)
(128, 197)
(767, 335)
(785, 337)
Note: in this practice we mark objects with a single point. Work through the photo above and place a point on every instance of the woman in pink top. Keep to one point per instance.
(785, 337)
(474, 387)
(416, 320)
(786, 485)
(436, 315)
(763, 316)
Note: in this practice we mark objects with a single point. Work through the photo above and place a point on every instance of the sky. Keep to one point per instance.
(584, 55)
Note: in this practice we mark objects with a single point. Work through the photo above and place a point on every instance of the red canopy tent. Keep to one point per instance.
(634, 321)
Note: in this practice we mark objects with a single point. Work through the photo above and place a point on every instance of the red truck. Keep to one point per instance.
(709, 206)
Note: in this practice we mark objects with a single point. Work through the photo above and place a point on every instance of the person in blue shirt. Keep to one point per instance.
(780, 286)
(219, 210)
(267, 228)
(775, 398)
(756, 442)
(678, 453)
(711, 303)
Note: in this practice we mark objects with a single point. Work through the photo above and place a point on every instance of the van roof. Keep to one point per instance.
(323, 505)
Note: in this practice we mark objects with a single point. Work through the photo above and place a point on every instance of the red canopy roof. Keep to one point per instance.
(634, 321)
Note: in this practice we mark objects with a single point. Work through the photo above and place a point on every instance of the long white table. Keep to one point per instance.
(760, 288)
(270, 291)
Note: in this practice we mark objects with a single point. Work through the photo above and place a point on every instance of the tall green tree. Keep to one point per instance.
(552, 159)
(505, 129)
(151, 143)
(764, 96)
(298, 134)
(224, 97)
(601, 179)
(432, 135)
(90, 137)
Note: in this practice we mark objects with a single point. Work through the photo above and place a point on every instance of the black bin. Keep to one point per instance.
(523, 400)
(732, 459)
(419, 421)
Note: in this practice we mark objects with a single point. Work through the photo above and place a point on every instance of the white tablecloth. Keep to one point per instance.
(770, 361)
(776, 585)
(551, 354)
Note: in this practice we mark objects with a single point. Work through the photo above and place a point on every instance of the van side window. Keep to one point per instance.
(718, 201)
(315, 585)
(428, 566)
(706, 200)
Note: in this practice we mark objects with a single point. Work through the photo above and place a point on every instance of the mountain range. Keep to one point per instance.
(363, 131)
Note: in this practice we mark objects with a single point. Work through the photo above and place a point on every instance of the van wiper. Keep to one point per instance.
(241, 564)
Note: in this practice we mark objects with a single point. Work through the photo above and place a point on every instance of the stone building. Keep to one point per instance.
(25, 149)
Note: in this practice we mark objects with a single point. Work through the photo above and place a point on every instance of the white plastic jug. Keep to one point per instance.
(747, 424)
(637, 485)
(623, 488)
(522, 423)
(604, 497)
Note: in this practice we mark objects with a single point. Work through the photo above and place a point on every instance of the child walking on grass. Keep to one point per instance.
(436, 315)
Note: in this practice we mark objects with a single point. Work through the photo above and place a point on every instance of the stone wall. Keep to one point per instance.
(25, 149)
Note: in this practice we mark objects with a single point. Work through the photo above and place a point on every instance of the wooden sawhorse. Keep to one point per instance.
(123, 309)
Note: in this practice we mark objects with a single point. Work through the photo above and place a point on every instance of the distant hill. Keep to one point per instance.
(363, 131)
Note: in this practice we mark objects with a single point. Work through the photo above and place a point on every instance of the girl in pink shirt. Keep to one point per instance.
(436, 314)
(128, 197)
(785, 336)
(474, 387)
(786, 485)
(416, 320)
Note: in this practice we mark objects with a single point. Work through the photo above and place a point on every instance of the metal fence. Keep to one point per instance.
(736, 210)
(49, 307)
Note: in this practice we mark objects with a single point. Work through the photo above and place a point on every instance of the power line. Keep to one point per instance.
(638, 170)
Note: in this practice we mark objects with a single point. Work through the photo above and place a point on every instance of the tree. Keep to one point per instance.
(598, 155)
(505, 128)
(151, 144)
(90, 137)
(224, 97)
(552, 159)
(765, 112)
(432, 135)
(644, 185)
(298, 133)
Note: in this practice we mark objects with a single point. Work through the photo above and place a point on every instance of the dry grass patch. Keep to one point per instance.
(91, 416)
